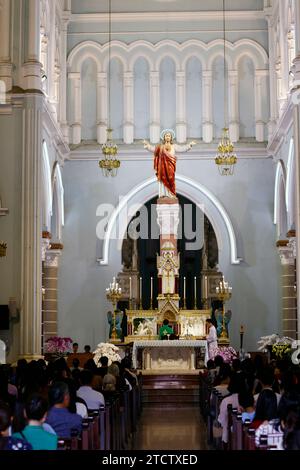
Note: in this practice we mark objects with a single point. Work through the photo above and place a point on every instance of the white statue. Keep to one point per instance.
(146, 327)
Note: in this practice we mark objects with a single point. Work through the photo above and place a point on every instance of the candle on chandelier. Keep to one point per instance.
(130, 288)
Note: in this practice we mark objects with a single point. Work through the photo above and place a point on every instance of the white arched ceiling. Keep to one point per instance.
(58, 215)
(280, 212)
(46, 189)
(196, 192)
(290, 187)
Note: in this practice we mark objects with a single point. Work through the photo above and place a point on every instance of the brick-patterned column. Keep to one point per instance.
(49, 309)
(289, 301)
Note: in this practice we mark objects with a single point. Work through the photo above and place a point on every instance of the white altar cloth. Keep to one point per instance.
(167, 344)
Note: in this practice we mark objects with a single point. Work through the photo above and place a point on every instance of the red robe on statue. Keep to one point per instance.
(165, 168)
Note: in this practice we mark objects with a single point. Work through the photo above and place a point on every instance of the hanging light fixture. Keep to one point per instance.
(109, 164)
(226, 157)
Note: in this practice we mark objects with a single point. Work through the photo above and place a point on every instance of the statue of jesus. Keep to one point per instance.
(165, 162)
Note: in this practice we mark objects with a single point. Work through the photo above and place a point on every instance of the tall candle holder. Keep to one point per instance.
(224, 293)
(113, 294)
(184, 293)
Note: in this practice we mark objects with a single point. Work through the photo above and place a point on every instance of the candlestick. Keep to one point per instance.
(205, 288)
(130, 288)
(195, 293)
(184, 293)
(151, 292)
(140, 293)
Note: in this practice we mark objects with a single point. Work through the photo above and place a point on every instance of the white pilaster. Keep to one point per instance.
(273, 98)
(128, 108)
(31, 245)
(154, 107)
(284, 48)
(297, 43)
(5, 58)
(234, 125)
(259, 123)
(75, 78)
(207, 129)
(297, 191)
(102, 110)
(63, 77)
(32, 66)
(180, 107)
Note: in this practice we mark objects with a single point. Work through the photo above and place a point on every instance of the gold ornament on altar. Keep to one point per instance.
(113, 294)
(3, 247)
(226, 159)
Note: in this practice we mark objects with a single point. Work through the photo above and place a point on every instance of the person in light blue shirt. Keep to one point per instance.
(36, 411)
(246, 401)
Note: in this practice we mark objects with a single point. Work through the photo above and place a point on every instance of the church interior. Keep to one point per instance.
(149, 221)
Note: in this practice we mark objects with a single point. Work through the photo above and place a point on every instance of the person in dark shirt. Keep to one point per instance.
(59, 417)
(8, 442)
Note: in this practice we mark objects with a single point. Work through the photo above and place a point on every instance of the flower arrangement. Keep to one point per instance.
(109, 350)
(227, 352)
(59, 346)
(272, 340)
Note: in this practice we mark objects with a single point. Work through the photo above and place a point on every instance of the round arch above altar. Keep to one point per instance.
(193, 190)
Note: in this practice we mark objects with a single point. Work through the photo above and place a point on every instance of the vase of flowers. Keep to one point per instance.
(58, 347)
(228, 353)
(278, 347)
(109, 350)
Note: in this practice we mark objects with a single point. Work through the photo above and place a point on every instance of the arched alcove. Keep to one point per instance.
(141, 99)
(194, 98)
(116, 97)
(218, 95)
(46, 189)
(280, 210)
(89, 100)
(167, 78)
(246, 97)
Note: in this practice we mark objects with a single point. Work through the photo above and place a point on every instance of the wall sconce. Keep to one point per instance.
(3, 247)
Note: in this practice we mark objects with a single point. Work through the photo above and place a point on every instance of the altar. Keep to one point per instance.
(167, 355)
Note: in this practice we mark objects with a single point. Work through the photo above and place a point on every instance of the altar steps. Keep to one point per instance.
(170, 390)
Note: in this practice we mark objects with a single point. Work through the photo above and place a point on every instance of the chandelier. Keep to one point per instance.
(226, 157)
(109, 164)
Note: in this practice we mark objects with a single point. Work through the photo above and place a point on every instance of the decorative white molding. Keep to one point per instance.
(52, 258)
(181, 16)
(135, 152)
(148, 189)
(168, 218)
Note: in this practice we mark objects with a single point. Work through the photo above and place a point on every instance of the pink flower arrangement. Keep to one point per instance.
(227, 352)
(58, 345)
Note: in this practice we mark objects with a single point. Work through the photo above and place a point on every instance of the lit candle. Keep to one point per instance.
(184, 288)
(140, 289)
(151, 289)
(205, 288)
(130, 289)
(195, 287)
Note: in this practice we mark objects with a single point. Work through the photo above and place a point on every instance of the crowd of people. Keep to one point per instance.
(41, 403)
(266, 395)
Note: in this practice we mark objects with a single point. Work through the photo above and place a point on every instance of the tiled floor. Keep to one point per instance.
(171, 429)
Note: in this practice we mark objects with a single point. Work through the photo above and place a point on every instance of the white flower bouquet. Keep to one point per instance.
(271, 340)
(109, 350)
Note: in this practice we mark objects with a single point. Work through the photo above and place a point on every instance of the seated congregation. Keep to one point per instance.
(251, 405)
(52, 406)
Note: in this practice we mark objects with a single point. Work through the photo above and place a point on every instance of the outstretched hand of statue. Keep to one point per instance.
(146, 144)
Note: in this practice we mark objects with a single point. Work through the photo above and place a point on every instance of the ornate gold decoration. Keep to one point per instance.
(226, 158)
(224, 293)
(113, 294)
(56, 246)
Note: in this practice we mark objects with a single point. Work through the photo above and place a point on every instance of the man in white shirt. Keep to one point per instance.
(93, 399)
(212, 339)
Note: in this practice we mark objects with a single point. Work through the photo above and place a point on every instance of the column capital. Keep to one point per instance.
(286, 252)
(52, 258)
